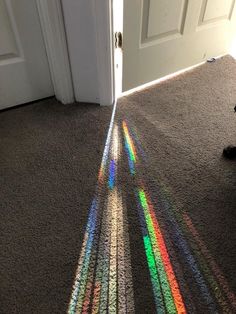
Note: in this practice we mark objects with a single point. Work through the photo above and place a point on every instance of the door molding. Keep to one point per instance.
(52, 23)
(103, 20)
(90, 42)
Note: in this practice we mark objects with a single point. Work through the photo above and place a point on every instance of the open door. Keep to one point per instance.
(164, 36)
(24, 68)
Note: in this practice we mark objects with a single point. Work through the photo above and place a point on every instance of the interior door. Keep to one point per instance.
(165, 36)
(24, 69)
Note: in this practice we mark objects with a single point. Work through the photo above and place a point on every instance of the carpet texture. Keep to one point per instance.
(146, 226)
(160, 235)
(178, 129)
(49, 160)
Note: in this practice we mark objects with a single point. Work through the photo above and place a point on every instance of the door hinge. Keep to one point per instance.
(118, 40)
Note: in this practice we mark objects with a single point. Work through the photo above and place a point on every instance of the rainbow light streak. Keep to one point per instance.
(100, 304)
(162, 275)
(115, 152)
(157, 256)
(96, 297)
(201, 252)
(151, 263)
(171, 292)
(87, 261)
(98, 261)
(137, 142)
(129, 141)
(102, 264)
(83, 304)
(123, 263)
(131, 163)
(83, 264)
(73, 300)
(103, 277)
(112, 296)
(211, 280)
(216, 270)
(81, 276)
(183, 246)
(129, 293)
(107, 147)
(125, 295)
(113, 207)
(130, 148)
(100, 298)
(112, 174)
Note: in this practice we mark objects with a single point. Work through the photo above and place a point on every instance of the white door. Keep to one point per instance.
(24, 69)
(165, 36)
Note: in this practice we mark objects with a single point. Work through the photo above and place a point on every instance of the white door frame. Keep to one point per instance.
(103, 21)
(54, 33)
(52, 23)
(89, 32)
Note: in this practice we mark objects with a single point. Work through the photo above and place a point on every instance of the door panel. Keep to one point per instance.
(213, 10)
(24, 69)
(164, 36)
(8, 45)
(162, 18)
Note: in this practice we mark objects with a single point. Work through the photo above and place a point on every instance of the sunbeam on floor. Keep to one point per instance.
(182, 274)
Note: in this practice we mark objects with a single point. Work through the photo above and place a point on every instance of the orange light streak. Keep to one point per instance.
(178, 300)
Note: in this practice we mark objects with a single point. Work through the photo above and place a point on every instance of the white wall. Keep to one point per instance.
(80, 28)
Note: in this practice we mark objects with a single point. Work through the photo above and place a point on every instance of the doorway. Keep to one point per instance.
(160, 38)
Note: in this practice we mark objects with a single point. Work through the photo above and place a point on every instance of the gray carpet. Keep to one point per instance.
(181, 126)
(160, 234)
(50, 157)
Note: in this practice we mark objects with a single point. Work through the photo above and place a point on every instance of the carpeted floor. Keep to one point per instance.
(145, 226)
(49, 160)
(179, 128)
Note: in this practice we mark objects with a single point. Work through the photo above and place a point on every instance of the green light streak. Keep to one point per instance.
(154, 275)
(143, 199)
(131, 152)
(165, 285)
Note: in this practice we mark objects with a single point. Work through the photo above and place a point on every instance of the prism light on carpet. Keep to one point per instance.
(103, 277)
(205, 272)
(168, 283)
(130, 148)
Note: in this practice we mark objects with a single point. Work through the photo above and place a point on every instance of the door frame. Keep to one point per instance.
(104, 33)
(53, 30)
(54, 34)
